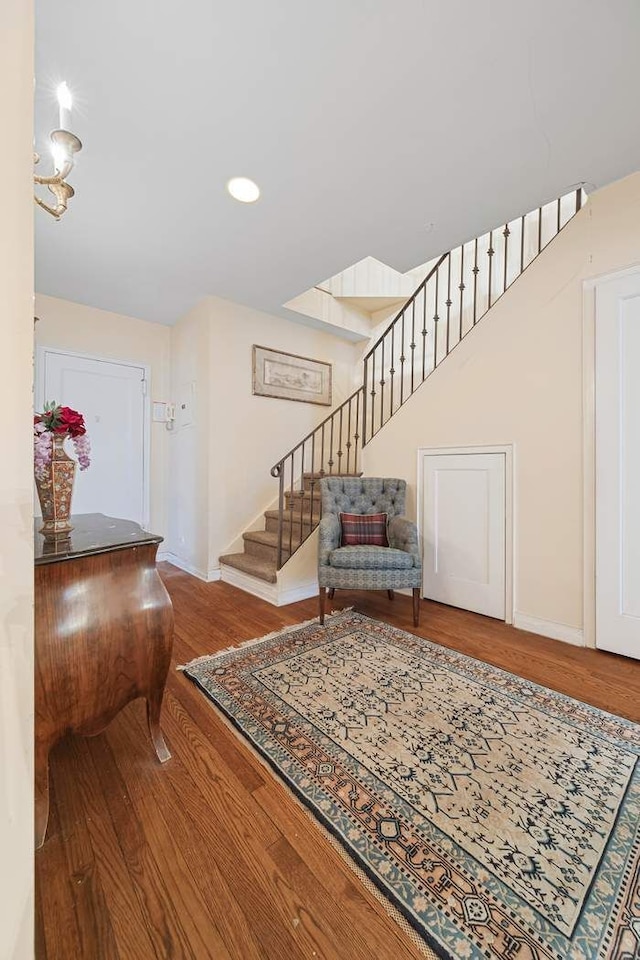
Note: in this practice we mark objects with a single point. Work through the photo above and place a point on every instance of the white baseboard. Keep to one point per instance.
(176, 561)
(547, 628)
(271, 592)
(301, 592)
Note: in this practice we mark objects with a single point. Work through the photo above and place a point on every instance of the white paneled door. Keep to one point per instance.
(618, 465)
(112, 398)
(464, 525)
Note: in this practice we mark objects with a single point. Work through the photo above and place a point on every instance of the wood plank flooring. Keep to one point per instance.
(209, 856)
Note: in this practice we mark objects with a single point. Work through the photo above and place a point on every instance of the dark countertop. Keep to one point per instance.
(92, 533)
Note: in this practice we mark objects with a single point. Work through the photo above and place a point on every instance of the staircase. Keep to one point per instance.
(459, 288)
(266, 550)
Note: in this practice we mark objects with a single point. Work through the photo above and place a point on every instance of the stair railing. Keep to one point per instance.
(455, 294)
(457, 291)
(333, 447)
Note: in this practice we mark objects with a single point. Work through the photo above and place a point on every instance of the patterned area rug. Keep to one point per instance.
(499, 817)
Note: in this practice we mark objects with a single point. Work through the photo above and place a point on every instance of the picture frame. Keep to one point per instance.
(287, 376)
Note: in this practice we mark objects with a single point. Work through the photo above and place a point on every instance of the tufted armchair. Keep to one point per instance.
(367, 567)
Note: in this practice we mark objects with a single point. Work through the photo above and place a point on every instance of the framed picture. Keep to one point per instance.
(289, 377)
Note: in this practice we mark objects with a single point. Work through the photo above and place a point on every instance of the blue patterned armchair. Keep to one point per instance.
(367, 567)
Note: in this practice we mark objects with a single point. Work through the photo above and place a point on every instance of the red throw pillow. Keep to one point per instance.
(358, 529)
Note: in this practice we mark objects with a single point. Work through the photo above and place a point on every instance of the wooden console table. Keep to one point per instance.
(103, 636)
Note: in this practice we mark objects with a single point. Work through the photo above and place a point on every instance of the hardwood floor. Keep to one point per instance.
(209, 856)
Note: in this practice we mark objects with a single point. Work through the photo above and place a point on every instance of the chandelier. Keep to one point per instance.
(64, 145)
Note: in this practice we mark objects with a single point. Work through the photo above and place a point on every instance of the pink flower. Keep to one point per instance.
(83, 450)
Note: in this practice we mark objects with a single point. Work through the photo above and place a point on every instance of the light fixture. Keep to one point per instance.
(243, 189)
(64, 145)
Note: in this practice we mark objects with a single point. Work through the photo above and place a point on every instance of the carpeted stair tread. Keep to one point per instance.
(262, 536)
(306, 517)
(255, 566)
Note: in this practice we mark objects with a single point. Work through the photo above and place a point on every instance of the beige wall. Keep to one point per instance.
(97, 333)
(235, 438)
(518, 378)
(16, 483)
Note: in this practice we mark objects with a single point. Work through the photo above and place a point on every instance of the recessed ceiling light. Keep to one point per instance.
(243, 189)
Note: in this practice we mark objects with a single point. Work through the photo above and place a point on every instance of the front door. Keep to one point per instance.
(618, 465)
(111, 396)
(464, 524)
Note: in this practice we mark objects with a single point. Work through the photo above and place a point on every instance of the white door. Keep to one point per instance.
(111, 396)
(464, 527)
(618, 466)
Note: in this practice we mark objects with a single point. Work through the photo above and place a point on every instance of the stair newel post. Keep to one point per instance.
(280, 513)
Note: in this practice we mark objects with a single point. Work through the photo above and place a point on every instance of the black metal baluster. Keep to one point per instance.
(291, 505)
(490, 253)
(330, 460)
(355, 435)
(436, 320)
(340, 441)
(382, 381)
(280, 513)
(578, 199)
(522, 246)
(322, 449)
(349, 436)
(391, 369)
(475, 271)
(424, 332)
(302, 490)
(461, 289)
(313, 470)
(448, 301)
(364, 400)
(373, 393)
(402, 360)
(412, 345)
(558, 221)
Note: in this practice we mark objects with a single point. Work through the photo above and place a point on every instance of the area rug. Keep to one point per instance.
(500, 818)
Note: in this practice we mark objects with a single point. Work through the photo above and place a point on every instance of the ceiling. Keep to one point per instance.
(392, 130)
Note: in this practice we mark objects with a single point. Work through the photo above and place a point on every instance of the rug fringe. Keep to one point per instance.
(268, 636)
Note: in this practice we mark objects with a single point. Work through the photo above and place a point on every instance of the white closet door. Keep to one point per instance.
(464, 531)
(111, 396)
(618, 466)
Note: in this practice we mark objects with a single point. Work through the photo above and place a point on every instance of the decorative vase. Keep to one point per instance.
(55, 490)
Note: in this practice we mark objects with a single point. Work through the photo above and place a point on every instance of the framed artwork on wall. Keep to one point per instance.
(290, 377)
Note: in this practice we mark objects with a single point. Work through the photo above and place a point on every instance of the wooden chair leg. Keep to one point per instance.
(416, 606)
(332, 591)
(322, 597)
(390, 594)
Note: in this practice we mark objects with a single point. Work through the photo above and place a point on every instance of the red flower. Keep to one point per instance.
(71, 422)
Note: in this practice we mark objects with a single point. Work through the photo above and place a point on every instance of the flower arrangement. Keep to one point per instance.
(63, 422)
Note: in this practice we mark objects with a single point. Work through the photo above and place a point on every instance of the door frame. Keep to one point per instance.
(508, 449)
(589, 288)
(40, 356)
